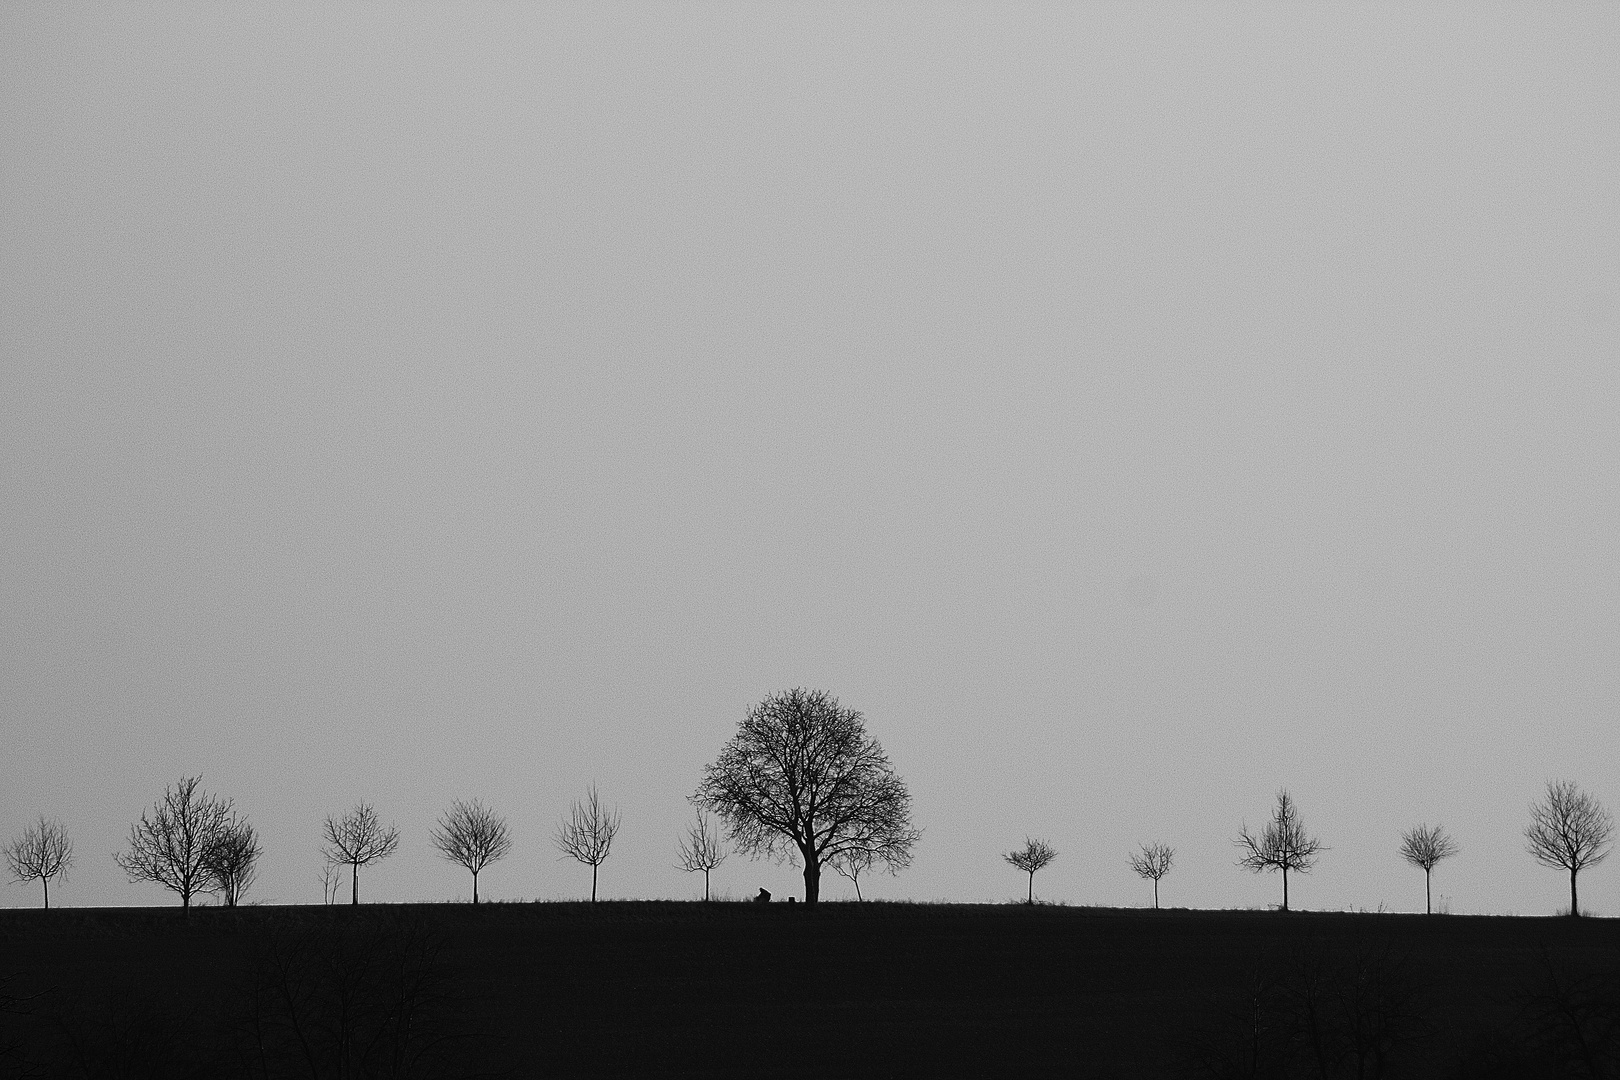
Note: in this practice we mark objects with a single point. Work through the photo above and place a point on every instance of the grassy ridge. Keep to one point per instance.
(843, 989)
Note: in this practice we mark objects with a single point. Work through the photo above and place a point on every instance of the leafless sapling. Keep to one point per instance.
(1569, 830)
(800, 779)
(173, 845)
(42, 853)
(359, 838)
(1153, 861)
(1424, 846)
(852, 863)
(330, 878)
(472, 835)
(586, 835)
(234, 862)
(701, 849)
(1282, 845)
(1033, 856)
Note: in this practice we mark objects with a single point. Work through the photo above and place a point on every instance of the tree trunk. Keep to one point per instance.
(1574, 910)
(812, 877)
(475, 886)
(593, 883)
(705, 886)
(1285, 888)
(857, 880)
(1428, 902)
(47, 883)
(355, 900)
(1031, 900)
(1155, 894)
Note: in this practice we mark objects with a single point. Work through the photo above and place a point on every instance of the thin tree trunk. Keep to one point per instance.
(1031, 900)
(1155, 894)
(1574, 910)
(593, 883)
(857, 880)
(705, 886)
(812, 879)
(1428, 903)
(355, 876)
(1285, 888)
(47, 883)
(475, 886)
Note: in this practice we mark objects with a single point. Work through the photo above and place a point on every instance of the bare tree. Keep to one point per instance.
(1153, 862)
(586, 835)
(473, 836)
(1424, 847)
(234, 861)
(330, 878)
(852, 864)
(1034, 856)
(41, 853)
(701, 849)
(172, 847)
(801, 779)
(1283, 844)
(1569, 830)
(357, 839)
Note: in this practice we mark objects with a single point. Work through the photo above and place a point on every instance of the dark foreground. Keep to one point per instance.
(743, 990)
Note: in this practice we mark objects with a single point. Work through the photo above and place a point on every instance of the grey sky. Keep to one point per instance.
(1131, 408)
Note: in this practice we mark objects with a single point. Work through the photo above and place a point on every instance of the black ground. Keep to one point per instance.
(843, 989)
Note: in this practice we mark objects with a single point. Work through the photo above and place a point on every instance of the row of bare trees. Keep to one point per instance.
(1569, 830)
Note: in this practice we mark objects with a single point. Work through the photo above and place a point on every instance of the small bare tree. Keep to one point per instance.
(1153, 861)
(330, 878)
(1283, 844)
(1569, 830)
(1424, 847)
(173, 846)
(1034, 856)
(852, 863)
(586, 835)
(473, 836)
(41, 853)
(701, 849)
(357, 839)
(234, 861)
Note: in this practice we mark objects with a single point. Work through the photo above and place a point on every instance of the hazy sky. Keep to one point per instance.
(1130, 408)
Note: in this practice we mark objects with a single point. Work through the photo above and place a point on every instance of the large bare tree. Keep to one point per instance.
(1569, 830)
(1153, 861)
(801, 779)
(586, 834)
(42, 853)
(1282, 845)
(359, 838)
(1033, 856)
(701, 849)
(1424, 846)
(473, 836)
(234, 861)
(172, 846)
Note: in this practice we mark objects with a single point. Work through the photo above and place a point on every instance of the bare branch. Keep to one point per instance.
(1034, 855)
(43, 853)
(234, 862)
(1569, 830)
(358, 838)
(586, 835)
(701, 850)
(802, 780)
(172, 847)
(1282, 845)
(473, 836)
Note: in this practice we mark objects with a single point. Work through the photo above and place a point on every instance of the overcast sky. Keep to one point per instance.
(1131, 408)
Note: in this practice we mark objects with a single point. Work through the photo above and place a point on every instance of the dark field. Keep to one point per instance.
(744, 990)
